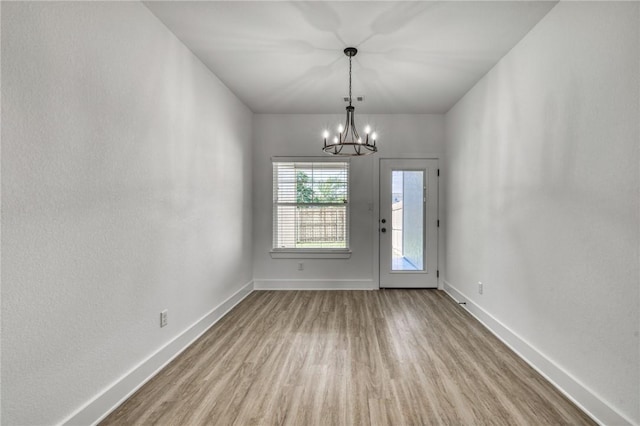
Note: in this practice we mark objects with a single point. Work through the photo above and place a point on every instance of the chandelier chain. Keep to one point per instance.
(349, 80)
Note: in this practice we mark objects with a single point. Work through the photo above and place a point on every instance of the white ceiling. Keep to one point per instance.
(287, 57)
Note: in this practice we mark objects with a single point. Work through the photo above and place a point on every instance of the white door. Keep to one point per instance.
(408, 226)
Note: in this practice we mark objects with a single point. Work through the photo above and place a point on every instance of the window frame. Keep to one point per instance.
(310, 253)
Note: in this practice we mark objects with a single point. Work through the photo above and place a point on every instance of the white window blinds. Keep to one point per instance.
(310, 205)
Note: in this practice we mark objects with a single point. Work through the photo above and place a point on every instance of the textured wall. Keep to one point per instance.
(543, 195)
(126, 190)
(301, 135)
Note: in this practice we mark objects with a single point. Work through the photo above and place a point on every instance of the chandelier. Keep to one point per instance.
(347, 142)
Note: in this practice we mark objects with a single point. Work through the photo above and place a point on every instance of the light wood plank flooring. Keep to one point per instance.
(389, 357)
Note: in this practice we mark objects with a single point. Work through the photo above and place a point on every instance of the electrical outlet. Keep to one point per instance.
(480, 287)
(300, 266)
(163, 318)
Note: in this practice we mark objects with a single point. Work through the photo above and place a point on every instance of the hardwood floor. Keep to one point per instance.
(388, 357)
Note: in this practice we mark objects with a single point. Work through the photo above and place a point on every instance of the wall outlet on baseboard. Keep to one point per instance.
(480, 287)
(163, 318)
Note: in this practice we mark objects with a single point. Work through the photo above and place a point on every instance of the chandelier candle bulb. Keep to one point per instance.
(367, 130)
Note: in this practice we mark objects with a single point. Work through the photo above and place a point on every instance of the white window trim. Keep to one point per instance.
(310, 253)
(315, 253)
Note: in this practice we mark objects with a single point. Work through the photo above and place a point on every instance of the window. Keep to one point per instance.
(310, 206)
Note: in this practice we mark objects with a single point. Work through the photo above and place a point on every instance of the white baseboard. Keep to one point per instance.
(598, 409)
(313, 284)
(102, 405)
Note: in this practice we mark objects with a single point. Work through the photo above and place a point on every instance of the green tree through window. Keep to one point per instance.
(304, 191)
(330, 190)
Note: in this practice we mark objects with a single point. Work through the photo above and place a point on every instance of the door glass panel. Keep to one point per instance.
(407, 220)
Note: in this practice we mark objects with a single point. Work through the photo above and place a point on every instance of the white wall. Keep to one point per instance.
(126, 190)
(543, 196)
(301, 135)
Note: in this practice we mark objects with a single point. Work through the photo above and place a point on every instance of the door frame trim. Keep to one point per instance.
(376, 212)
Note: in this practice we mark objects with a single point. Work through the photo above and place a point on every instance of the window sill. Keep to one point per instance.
(310, 254)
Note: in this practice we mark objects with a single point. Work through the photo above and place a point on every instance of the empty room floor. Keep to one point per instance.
(396, 357)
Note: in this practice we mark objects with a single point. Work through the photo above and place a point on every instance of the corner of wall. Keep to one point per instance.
(109, 399)
(591, 403)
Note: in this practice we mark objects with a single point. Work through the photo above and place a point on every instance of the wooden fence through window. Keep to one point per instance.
(326, 224)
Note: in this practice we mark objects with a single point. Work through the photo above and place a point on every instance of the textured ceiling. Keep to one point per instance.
(286, 57)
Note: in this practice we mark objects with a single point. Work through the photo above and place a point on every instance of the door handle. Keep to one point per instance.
(383, 230)
(384, 221)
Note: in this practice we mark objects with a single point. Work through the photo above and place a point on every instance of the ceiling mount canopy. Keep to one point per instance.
(348, 142)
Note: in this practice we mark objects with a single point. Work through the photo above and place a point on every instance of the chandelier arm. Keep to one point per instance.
(346, 127)
(354, 131)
